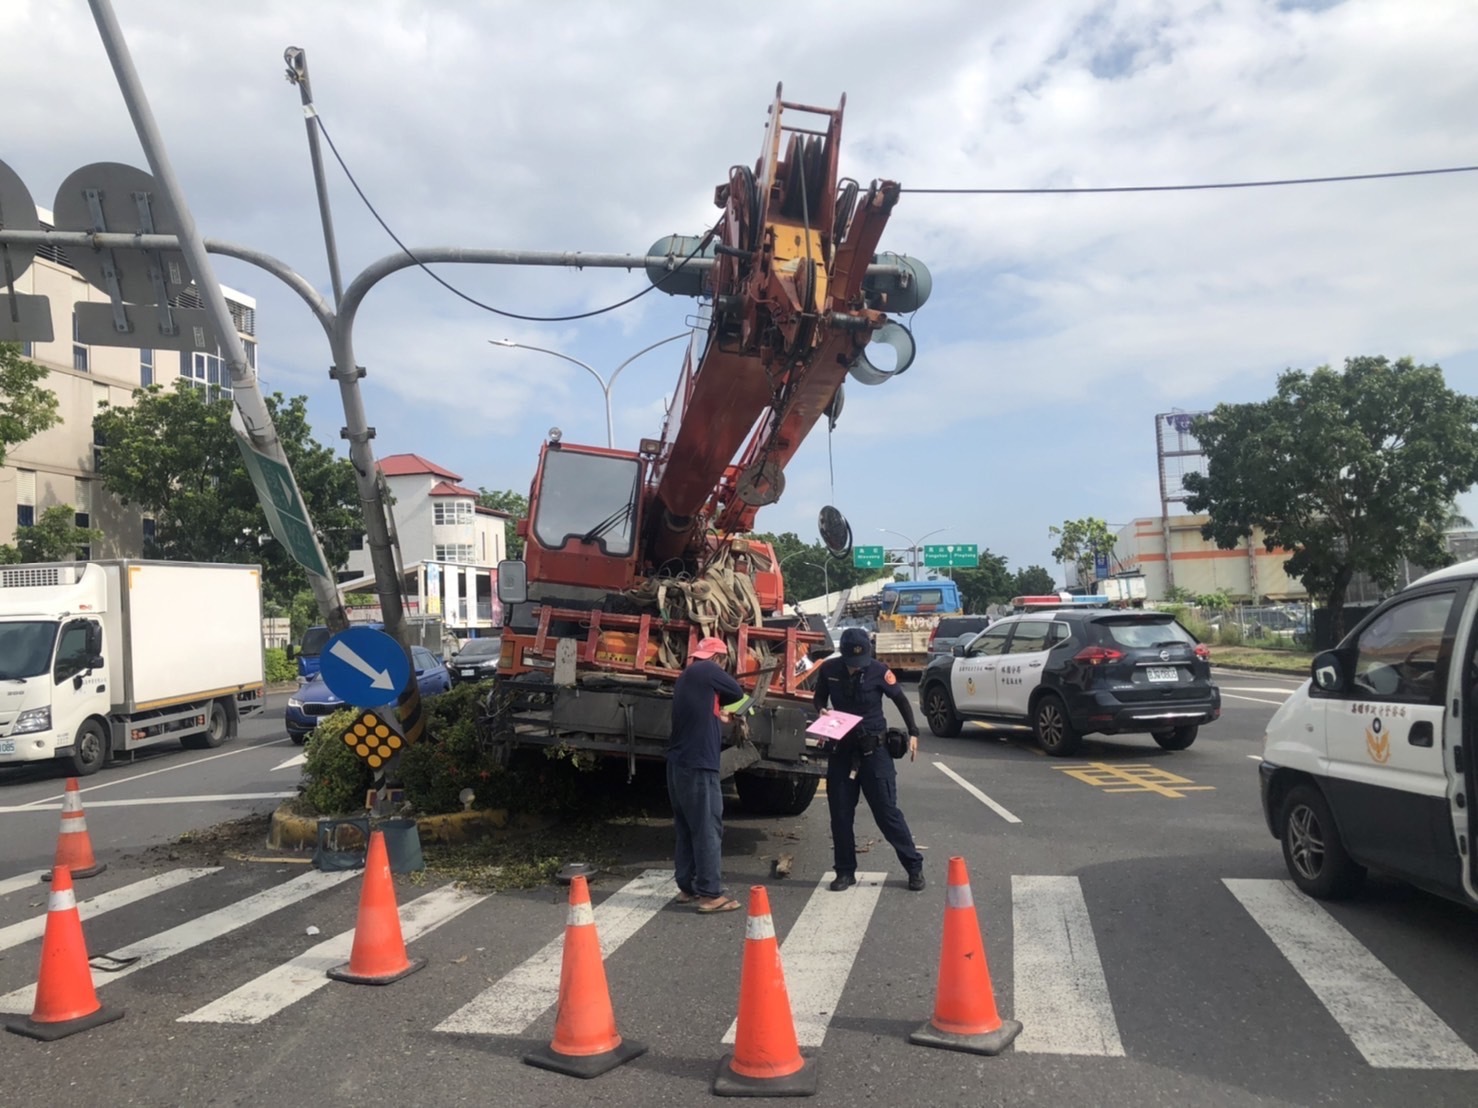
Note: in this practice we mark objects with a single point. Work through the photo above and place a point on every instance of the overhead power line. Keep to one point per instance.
(1198, 188)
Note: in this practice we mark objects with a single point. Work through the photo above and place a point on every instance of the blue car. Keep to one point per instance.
(313, 701)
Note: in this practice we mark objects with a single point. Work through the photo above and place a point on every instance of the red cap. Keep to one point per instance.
(710, 646)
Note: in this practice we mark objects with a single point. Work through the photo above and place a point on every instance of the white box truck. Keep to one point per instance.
(100, 658)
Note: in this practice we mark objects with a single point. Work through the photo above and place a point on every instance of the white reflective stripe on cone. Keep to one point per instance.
(958, 896)
(580, 915)
(61, 901)
(759, 927)
(72, 801)
(72, 824)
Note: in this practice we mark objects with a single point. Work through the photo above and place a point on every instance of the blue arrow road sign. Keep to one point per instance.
(365, 667)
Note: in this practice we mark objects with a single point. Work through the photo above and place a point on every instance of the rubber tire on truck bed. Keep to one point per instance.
(217, 729)
(767, 795)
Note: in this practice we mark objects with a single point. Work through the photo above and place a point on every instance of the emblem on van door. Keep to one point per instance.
(970, 685)
(1378, 741)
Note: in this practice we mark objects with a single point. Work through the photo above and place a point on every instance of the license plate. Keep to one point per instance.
(1163, 673)
(469, 673)
(7, 746)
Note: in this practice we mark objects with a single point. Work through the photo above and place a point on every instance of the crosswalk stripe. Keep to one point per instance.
(194, 932)
(819, 951)
(290, 982)
(21, 881)
(1385, 1020)
(524, 993)
(1058, 988)
(27, 930)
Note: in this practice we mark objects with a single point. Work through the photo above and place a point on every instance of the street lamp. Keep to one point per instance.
(825, 576)
(913, 547)
(605, 385)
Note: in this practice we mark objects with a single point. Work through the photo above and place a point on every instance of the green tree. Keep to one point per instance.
(26, 407)
(55, 537)
(1349, 470)
(1033, 581)
(173, 453)
(800, 564)
(516, 504)
(990, 582)
(1080, 541)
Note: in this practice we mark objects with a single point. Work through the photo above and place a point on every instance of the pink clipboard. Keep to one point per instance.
(833, 725)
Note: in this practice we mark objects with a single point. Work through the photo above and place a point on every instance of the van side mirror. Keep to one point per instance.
(95, 661)
(94, 640)
(1328, 671)
(291, 651)
(513, 582)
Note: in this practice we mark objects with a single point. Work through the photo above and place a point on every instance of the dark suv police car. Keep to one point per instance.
(1069, 673)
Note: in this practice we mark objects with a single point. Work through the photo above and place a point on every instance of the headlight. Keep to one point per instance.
(294, 702)
(36, 719)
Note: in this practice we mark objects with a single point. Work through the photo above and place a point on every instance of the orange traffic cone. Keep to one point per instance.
(378, 956)
(766, 1059)
(73, 843)
(66, 1001)
(965, 1016)
(585, 1042)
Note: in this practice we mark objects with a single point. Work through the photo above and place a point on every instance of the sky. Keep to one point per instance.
(1059, 326)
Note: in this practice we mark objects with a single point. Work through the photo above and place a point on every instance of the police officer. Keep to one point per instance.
(860, 763)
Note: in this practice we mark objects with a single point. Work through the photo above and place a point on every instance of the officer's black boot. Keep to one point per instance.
(916, 881)
(843, 882)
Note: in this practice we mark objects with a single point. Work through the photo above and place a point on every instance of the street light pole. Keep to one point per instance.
(913, 547)
(605, 385)
(825, 576)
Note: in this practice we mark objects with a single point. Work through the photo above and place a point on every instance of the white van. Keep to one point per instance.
(1369, 765)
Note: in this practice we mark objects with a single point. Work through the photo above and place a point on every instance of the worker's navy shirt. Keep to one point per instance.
(700, 690)
(860, 692)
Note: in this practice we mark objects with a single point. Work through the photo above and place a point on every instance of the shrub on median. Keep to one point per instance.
(280, 671)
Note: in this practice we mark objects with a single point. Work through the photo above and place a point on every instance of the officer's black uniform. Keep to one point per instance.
(860, 763)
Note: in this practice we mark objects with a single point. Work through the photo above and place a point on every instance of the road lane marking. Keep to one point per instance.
(976, 793)
(194, 932)
(526, 992)
(819, 951)
(1257, 688)
(165, 769)
(1255, 757)
(1138, 778)
(21, 881)
(296, 761)
(1385, 1020)
(140, 801)
(1060, 994)
(292, 981)
(27, 930)
(1255, 699)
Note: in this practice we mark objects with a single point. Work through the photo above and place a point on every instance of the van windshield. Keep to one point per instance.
(314, 640)
(25, 648)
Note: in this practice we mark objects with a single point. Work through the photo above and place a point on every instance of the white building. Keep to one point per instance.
(60, 465)
(449, 548)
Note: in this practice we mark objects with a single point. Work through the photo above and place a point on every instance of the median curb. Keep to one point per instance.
(291, 831)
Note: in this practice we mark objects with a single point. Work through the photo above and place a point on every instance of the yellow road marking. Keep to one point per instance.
(1136, 778)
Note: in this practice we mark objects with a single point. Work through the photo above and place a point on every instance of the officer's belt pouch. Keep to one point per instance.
(897, 742)
(866, 744)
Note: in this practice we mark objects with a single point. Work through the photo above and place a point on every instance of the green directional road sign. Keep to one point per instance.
(286, 516)
(868, 557)
(960, 555)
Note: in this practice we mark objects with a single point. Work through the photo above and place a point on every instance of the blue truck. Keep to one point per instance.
(309, 651)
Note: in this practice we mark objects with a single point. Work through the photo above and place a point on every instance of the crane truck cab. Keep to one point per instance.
(1370, 764)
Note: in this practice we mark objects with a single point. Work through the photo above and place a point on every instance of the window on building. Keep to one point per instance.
(454, 552)
(82, 515)
(357, 542)
(146, 367)
(27, 350)
(79, 352)
(251, 353)
(208, 372)
(25, 498)
(149, 528)
(451, 512)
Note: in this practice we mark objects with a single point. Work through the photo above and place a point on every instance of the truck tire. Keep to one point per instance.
(1054, 730)
(939, 710)
(1313, 850)
(1177, 739)
(217, 729)
(767, 795)
(89, 749)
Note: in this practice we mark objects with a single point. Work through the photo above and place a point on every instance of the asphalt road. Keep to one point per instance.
(1132, 901)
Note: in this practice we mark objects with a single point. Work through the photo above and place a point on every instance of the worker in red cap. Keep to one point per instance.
(692, 776)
